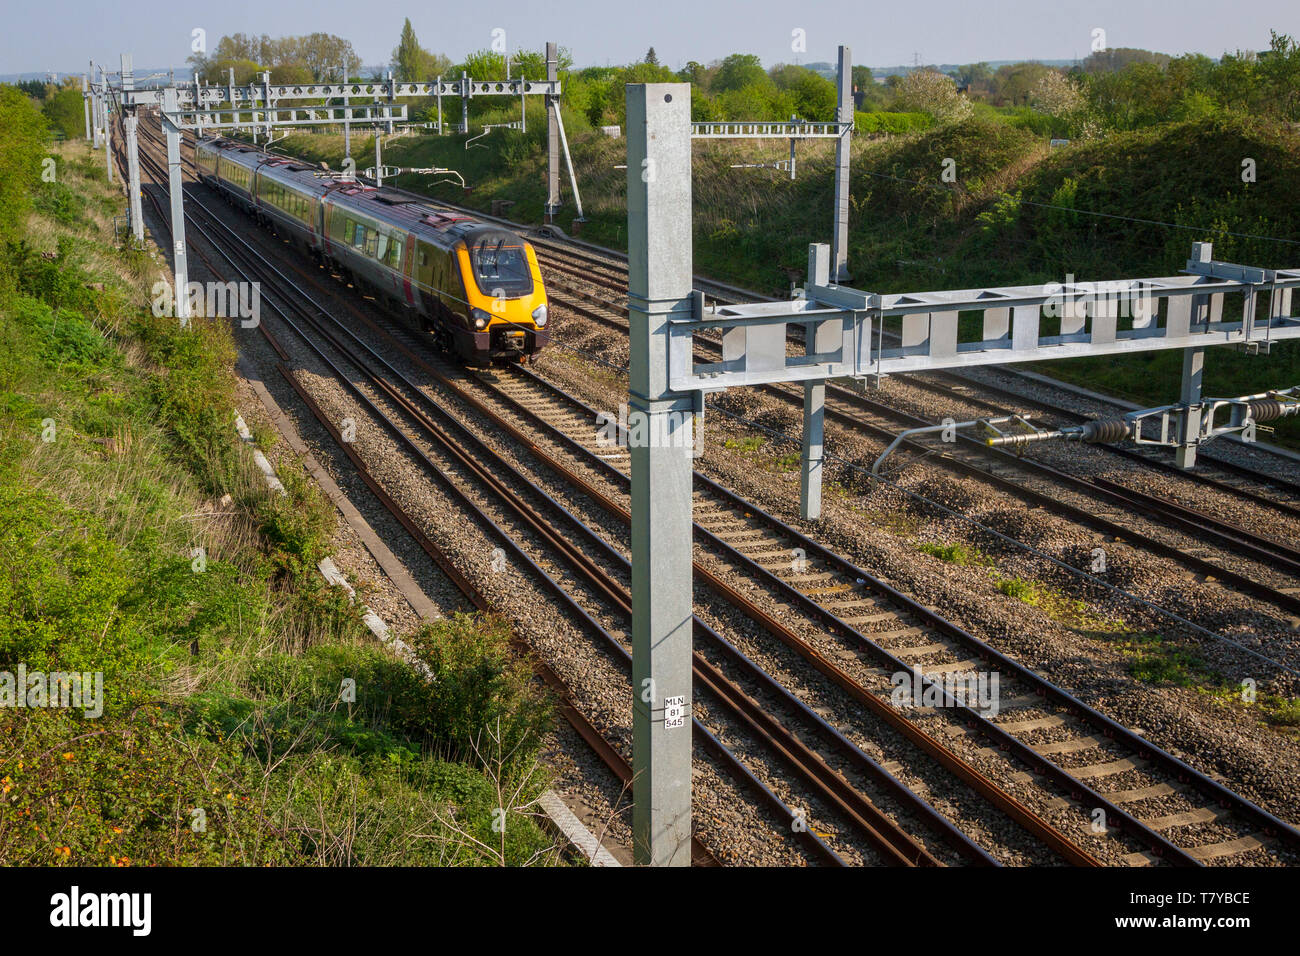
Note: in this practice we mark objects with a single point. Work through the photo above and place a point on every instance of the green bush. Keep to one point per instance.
(194, 398)
(891, 122)
(1031, 120)
(65, 112)
(22, 147)
(60, 203)
(296, 526)
(481, 689)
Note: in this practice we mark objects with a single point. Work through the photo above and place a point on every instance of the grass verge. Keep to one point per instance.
(245, 715)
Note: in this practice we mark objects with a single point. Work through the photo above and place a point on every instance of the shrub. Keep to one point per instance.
(931, 92)
(892, 122)
(22, 147)
(478, 683)
(65, 112)
(298, 525)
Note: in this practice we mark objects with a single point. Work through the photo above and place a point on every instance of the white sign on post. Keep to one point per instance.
(674, 712)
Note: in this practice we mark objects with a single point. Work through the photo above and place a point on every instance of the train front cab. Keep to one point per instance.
(505, 295)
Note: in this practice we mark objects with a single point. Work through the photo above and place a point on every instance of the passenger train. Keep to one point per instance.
(475, 286)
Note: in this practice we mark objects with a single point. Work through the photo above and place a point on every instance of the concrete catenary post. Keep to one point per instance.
(843, 114)
(108, 129)
(659, 287)
(552, 136)
(130, 122)
(180, 267)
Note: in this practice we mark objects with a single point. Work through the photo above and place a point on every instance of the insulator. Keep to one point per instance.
(1267, 409)
(1105, 431)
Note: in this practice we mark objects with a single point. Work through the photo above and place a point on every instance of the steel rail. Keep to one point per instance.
(1141, 747)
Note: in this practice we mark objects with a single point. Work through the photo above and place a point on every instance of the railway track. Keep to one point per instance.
(899, 636)
(581, 263)
(1235, 479)
(890, 840)
(1274, 575)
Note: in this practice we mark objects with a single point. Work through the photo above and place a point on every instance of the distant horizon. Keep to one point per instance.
(369, 68)
(49, 38)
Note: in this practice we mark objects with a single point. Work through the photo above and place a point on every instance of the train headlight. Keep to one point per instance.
(480, 318)
(539, 316)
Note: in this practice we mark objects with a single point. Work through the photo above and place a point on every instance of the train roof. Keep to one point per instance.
(439, 226)
(434, 224)
(245, 156)
(299, 175)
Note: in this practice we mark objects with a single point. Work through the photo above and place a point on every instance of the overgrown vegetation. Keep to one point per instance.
(248, 717)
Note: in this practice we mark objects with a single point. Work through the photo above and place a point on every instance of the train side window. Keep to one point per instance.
(381, 247)
(437, 264)
(424, 265)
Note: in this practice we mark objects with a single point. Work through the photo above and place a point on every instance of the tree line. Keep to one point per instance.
(1111, 90)
(1115, 89)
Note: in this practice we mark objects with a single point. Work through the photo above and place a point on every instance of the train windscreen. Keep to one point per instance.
(500, 263)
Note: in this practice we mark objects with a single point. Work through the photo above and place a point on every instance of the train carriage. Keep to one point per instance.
(288, 198)
(207, 153)
(236, 170)
(477, 287)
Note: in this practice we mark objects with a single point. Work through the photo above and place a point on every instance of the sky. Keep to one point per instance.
(61, 36)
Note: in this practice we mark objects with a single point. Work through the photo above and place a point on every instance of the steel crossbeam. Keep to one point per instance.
(251, 95)
(845, 329)
(786, 130)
